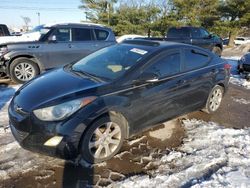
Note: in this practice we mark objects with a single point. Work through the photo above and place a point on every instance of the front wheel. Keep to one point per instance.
(214, 99)
(23, 70)
(103, 139)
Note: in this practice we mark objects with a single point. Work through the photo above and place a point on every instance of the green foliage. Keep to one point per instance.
(224, 17)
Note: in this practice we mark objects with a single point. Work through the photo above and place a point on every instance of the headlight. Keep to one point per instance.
(62, 111)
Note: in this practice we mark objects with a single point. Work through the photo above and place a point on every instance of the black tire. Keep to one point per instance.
(26, 62)
(217, 50)
(208, 109)
(87, 153)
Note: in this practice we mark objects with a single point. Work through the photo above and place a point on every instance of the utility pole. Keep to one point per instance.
(38, 14)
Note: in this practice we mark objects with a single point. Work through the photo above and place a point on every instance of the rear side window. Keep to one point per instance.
(195, 59)
(101, 34)
(81, 34)
(167, 65)
(178, 33)
(196, 33)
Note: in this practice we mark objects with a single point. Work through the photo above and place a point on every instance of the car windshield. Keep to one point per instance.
(111, 62)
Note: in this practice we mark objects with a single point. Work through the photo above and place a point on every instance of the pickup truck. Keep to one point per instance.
(195, 36)
(61, 44)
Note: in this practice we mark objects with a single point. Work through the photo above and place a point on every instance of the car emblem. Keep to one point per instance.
(18, 109)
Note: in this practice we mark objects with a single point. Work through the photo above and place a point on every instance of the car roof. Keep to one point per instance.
(156, 43)
(74, 24)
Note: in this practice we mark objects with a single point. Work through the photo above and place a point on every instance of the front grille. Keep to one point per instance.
(19, 135)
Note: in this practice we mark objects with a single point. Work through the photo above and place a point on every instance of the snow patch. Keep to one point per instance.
(211, 156)
(238, 80)
(241, 100)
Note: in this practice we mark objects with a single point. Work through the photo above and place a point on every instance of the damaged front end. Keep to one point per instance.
(3, 69)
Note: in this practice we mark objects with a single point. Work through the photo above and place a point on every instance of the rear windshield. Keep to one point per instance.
(178, 33)
(111, 62)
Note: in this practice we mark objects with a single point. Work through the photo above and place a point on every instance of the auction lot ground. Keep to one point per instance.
(197, 149)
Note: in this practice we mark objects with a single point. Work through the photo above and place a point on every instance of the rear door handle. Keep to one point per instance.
(181, 82)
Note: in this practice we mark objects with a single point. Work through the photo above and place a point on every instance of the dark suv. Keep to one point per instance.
(197, 36)
(90, 107)
(59, 44)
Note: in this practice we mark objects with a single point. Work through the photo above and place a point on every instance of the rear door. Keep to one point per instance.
(88, 40)
(155, 102)
(82, 42)
(199, 76)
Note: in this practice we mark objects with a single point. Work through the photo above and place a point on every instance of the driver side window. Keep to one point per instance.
(167, 65)
(61, 35)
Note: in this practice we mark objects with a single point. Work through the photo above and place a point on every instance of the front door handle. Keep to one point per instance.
(214, 71)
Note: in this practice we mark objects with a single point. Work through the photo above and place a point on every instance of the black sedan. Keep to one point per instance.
(90, 107)
(244, 65)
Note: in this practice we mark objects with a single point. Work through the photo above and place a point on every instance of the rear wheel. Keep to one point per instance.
(23, 70)
(214, 99)
(103, 139)
(217, 50)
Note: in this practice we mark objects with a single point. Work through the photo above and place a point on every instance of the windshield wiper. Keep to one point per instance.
(96, 78)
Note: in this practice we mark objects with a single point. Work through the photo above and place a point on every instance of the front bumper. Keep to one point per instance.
(32, 134)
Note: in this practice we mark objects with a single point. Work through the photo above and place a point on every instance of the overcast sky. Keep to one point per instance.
(50, 11)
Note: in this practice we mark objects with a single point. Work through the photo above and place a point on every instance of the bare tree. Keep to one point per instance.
(27, 21)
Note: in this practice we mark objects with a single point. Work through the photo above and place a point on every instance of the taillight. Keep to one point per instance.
(227, 66)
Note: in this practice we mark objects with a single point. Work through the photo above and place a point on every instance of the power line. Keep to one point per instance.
(37, 2)
(38, 8)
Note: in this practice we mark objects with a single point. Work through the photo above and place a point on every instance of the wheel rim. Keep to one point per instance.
(24, 71)
(215, 99)
(105, 140)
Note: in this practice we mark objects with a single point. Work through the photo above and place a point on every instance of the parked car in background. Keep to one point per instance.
(244, 65)
(4, 31)
(32, 35)
(195, 36)
(241, 40)
(90, 107)
(61, 45)
(128, 37)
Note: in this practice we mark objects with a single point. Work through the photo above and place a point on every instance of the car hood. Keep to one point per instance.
(54, 87)
(20, 39)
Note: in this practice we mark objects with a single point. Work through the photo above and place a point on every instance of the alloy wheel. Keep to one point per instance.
(105, 140)
(24, 71)
(215, 100)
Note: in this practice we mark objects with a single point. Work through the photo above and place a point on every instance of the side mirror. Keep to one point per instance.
(147, 77)
(52, 38)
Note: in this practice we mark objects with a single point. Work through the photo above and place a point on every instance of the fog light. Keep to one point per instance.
(54, 141)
